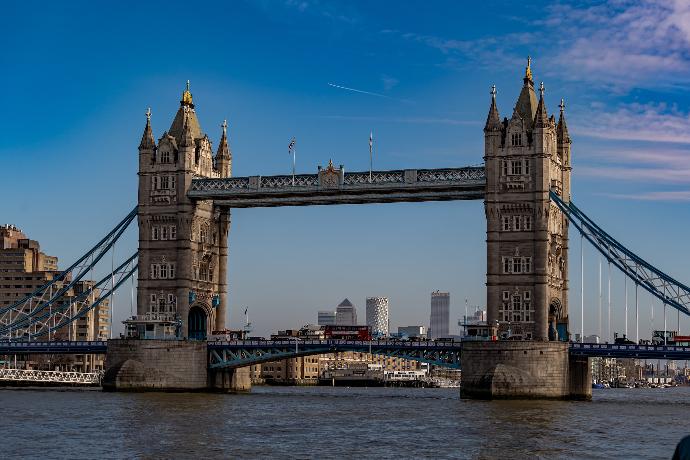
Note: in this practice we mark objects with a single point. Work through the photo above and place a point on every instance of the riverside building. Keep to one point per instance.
(24, 268)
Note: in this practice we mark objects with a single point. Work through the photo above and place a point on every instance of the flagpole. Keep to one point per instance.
(293, 151)
(371, 155)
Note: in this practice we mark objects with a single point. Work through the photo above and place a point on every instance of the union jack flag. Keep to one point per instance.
(291, 146)
(371, 140)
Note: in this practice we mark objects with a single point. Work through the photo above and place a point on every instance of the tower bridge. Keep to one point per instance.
(185, 196)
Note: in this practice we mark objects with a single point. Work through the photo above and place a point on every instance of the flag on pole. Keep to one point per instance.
(291, 146)
(371, 140)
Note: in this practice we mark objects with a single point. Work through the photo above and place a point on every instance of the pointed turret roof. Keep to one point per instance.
(223, 149)
(541, 118)
(526, 105)
(493, 120)
(186, 136)
(147, 141)
(185, 113)
(562, 127)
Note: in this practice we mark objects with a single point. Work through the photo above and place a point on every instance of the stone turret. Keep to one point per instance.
(223, 160)
(147, 141)
(183, 250)
(527, 237)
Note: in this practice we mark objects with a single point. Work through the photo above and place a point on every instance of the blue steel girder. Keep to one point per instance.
(641, 272)
(54, 347)
(632, 351)
(245, 353)
(44, 303)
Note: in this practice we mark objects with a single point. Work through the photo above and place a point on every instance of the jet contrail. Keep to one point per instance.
(360, 91)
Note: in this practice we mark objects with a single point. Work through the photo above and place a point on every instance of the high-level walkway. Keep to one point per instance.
(334, 186)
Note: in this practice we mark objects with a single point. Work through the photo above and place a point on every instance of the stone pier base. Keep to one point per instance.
(230, 380)
(522, 370)
(166, 365)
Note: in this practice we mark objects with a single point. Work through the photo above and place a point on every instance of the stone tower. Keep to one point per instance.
(527, 156)
(183, 250)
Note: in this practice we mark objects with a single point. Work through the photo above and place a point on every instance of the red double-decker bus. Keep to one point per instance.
(347, 332)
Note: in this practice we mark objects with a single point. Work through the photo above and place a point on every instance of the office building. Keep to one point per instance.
(440, 315)
(377, 316)
(326, 318)
(346, 314)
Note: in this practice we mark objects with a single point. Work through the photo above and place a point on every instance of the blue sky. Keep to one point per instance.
(78, 77)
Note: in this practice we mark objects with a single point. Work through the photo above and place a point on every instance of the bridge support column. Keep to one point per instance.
(155, 365)
(580, 373)
(230, 380)
(521, 370)
(167, 365)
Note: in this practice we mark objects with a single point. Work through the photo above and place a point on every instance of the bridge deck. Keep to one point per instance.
(339, 187)
(281, 349)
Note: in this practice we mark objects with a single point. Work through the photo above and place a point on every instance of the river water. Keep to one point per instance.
(326, 422)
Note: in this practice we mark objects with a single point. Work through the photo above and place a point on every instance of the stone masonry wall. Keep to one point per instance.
(155, 365)
(515, 370)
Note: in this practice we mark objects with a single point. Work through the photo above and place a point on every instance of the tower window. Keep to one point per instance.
(517, 265)
(155, 233)
(164, 232)
(516, 139)
(506, 223)
(173, 232)
(165, 157)
(516, 167)
(527, 223)
(504, 167)
(165, 182)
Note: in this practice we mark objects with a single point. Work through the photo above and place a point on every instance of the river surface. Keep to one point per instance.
(326, 422)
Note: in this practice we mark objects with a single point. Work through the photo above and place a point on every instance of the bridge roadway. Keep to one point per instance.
(335, 186)
(238, 353)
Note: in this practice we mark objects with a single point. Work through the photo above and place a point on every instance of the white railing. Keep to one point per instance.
(24, 375)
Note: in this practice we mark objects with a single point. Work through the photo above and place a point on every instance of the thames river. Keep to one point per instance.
(325, 422)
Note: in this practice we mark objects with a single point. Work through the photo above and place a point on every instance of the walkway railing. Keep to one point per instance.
(37, 376)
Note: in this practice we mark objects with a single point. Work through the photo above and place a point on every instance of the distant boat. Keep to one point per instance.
(598, 386)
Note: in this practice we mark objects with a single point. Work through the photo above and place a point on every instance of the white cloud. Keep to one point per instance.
(623, 42)
(677, 195)
(635, 122)
(619, 44)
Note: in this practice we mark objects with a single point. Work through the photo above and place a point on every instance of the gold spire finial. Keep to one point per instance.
(187, 96)
(528, 69)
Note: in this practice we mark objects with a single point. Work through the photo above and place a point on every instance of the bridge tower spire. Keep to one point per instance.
(527, 239)
(182, 288)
